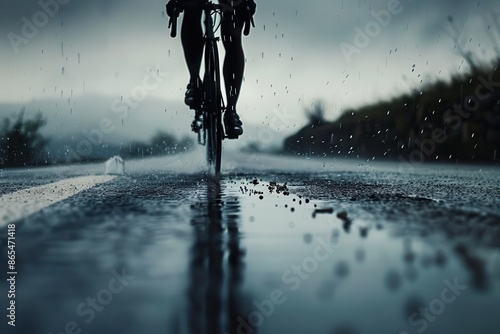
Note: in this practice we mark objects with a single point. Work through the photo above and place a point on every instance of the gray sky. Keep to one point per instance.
(294, 56)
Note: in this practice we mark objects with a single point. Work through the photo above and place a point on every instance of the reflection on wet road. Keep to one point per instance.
(216, 264)
(327, 252)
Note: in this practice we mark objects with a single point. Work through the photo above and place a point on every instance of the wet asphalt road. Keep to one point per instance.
(346, 247)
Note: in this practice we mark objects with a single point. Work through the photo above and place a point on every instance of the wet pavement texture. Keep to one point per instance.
(343, 251)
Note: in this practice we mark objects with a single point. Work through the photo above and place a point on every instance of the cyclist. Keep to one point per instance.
(234, 14)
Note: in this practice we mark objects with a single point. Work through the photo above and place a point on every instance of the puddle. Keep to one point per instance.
(302, 268)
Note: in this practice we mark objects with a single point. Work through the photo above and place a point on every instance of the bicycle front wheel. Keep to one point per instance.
(213, 113)
(214, 142)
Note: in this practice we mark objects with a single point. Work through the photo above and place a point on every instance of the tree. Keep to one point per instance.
(492, 26)
(163, 143)
(316, 113)
(21, 143)
(456, 31)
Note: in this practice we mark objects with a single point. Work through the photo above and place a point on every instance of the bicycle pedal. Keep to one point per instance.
(197, 123)
(195, 127)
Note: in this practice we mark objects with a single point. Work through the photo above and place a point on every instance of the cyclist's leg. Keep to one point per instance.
(234, 65)
(234, 62)
(192, 43)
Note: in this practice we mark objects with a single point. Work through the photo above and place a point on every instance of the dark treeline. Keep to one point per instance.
(22, 144)
(445, 121)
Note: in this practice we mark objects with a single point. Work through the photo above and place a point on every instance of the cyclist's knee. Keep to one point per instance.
(232, 41)
(231, 31)
(192, 15)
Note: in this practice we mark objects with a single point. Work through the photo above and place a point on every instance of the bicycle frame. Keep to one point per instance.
(213, 103)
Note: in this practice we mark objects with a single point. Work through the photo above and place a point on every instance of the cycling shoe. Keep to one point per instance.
(232, 125)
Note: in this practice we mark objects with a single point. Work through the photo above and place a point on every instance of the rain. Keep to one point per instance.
(359, 194)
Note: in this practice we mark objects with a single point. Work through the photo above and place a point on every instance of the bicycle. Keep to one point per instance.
(208, 119)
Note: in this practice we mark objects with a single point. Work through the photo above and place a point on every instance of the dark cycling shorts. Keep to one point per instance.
(235, 8)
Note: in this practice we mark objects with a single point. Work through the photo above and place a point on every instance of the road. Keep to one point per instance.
(279, 245)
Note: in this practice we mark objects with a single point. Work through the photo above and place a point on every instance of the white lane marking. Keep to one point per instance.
(22, 203)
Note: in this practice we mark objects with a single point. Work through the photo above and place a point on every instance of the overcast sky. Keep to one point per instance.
(294, 55)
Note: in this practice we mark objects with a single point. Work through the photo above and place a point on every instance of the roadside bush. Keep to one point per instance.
(21, 143)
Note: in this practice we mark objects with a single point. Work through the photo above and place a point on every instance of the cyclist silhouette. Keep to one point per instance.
(234, 14)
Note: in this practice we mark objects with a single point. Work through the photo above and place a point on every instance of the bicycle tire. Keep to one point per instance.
(213, 109)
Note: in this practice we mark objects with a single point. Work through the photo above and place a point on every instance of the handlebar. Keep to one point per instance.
(248, 21)
(172, 24)
(179, 8)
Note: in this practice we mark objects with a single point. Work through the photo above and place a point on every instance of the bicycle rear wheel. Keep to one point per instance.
(214, 131)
